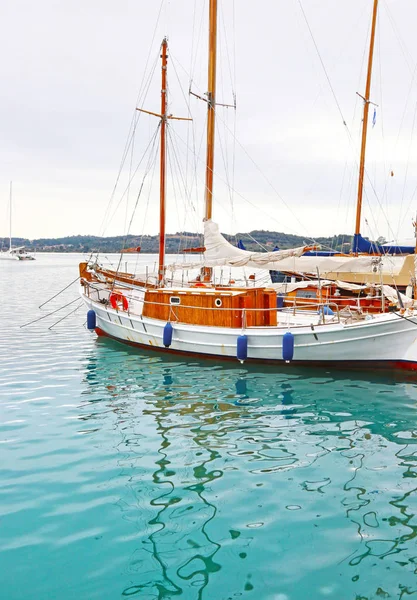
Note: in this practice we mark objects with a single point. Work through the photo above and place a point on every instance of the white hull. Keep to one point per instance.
(8, 256)
(13, 255)
(383, 338)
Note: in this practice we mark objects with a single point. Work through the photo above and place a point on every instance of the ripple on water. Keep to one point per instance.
(129, 474)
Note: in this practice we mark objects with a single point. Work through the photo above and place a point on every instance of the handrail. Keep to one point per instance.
(314, 306)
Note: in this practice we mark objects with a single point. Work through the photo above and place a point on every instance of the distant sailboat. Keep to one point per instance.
(18, 253)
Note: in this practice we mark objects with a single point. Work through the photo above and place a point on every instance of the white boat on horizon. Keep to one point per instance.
(18, 253)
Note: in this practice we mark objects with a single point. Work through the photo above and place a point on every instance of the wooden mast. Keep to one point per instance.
(365, 121)
(206, 272)
(162, 164)
(414, 279)
(211, 106)
(162, 168)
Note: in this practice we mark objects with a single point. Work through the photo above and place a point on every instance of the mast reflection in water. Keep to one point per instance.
(238, 481)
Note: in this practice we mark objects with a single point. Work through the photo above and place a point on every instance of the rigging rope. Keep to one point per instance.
(176, 163)
(194, 152)
(188, 192)
(323, 65)
(407, 167)
(144, 88)
(129, 141)
(150, 145)
(63, 290)
(147, 170)
(246, 199)
(68, 314)
(51, 313)
(145, 215)
(342, 117)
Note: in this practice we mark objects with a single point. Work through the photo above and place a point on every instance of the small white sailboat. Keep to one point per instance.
(8, 255)
(18, 253)
(244, 323)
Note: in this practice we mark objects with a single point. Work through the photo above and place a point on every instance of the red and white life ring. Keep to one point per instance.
(118, 300)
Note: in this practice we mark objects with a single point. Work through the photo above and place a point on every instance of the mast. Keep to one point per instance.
(10, 218)
(162, 164)
(211, 104)
(414, 279)
(162, 168)
(365, 123)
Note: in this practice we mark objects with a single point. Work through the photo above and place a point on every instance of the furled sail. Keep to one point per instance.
(219, 252)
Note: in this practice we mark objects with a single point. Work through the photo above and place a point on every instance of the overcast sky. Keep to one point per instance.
(71, 73)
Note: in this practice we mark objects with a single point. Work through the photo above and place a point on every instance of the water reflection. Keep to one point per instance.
(241, 479)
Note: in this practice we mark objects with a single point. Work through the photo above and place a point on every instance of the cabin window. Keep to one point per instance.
(218, 302)
(175, 300)
(306, 294)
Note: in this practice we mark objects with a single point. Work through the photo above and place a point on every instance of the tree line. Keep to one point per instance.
(257, 240)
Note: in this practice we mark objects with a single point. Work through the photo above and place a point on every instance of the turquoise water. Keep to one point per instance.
(130, 474)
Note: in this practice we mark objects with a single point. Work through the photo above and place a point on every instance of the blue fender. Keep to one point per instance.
(91, 319)
(167, 337)
(288, 346)
(242, 348)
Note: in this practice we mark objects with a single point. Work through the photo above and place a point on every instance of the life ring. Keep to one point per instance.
(116, 299)
(198, 284)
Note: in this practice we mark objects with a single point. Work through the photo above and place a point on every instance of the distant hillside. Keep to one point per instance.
(174, 242)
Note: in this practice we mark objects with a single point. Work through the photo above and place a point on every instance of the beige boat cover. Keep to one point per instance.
(389, 292)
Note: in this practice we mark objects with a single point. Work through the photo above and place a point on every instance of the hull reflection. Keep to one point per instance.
(225, 472)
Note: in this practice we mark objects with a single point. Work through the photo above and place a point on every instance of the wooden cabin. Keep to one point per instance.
(212, 307)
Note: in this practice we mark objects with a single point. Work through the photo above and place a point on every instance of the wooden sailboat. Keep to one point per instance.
(243, 323)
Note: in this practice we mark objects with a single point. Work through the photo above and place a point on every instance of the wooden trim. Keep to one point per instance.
(248, 308)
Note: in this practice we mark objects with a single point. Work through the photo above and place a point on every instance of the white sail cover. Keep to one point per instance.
(286, 287)
(219, 252)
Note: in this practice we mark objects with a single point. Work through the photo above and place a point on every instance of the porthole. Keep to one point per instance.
(175, 300)
(218, 302)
